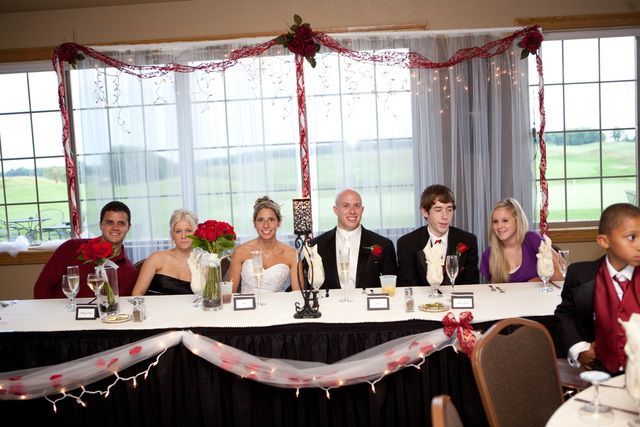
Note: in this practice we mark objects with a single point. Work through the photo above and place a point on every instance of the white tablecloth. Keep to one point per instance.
(519, 300)
(569, 413)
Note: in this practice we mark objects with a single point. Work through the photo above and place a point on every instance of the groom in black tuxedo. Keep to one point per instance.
(371, 253)
(437, 205)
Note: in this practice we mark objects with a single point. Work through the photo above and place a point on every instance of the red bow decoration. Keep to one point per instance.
(465, 331)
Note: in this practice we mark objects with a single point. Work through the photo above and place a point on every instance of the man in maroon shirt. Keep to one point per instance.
(115, 222)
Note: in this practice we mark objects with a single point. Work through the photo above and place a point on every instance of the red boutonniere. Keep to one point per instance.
(530, 43)
(376, 251)
(461, 248)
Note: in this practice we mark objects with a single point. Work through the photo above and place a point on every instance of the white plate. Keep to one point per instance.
(434, 307)
(117, 318)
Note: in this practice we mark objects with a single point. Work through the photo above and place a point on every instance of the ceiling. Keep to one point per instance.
(10, 6)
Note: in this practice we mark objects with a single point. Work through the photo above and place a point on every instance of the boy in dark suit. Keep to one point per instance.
(371, 254)
(596, 294)
(437, 205)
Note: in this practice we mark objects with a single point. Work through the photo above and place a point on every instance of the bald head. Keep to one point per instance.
(348, 209)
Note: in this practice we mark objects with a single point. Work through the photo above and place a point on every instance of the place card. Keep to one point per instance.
(86, 312)
(377, 302)
(462, 300)
(244, 302)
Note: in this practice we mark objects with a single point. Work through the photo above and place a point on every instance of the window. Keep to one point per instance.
(218, 141)
(34, 198)
(591, 112)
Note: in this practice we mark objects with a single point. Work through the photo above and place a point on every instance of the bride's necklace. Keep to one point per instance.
(265, 253)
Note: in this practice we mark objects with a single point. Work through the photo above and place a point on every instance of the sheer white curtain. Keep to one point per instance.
(214, 142)
(471, 128)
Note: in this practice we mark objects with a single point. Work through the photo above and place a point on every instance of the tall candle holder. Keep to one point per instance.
(302, 227)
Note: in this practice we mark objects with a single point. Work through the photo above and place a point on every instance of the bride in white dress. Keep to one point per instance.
(278, 259)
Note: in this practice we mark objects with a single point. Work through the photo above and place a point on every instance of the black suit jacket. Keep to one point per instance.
(412, 265)
(369, 267)
(575, 311)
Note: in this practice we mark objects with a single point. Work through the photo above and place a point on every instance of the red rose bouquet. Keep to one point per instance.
(300, 40)
(98, 251)
(95, 250)
(212, 238)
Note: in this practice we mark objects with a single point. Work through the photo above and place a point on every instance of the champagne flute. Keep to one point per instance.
(563, 261)
(256, 257)
(73, 276)
(451, 264)
(66, 289)
(345, 258)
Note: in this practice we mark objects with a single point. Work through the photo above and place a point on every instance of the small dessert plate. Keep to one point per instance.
(117, 318)
(434, 307)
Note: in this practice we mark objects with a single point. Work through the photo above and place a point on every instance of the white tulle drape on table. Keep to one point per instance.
(214, 142)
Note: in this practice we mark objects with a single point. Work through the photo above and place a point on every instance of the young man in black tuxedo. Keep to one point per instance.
(437, 205)
(371, 254)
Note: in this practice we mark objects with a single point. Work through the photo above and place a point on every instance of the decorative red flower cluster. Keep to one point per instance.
(461, 248)
(300, 40)
(530, 43)
(95, 250)
(211, 230)
(214, 236)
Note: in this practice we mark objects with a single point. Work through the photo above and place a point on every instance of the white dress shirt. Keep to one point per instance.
(624, 274)
(352, 240)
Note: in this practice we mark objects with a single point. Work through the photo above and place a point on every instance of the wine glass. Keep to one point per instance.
(94, 280)
(345, 258)
(545, 271)
(256, 257)
(563, 262)
(451, 264)
(594, 411)
(69, 292)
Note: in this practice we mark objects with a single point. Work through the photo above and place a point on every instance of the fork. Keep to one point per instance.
(502, 291)
(492, 288)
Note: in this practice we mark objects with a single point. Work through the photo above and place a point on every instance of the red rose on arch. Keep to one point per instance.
(530, 43)
(296, 46)
(304, 32)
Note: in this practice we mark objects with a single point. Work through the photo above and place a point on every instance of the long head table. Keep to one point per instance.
(184, 389)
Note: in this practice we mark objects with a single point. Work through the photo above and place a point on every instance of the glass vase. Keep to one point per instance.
(108, 298)
(211, 292)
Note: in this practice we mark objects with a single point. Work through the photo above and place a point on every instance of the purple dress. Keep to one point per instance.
(527, 269)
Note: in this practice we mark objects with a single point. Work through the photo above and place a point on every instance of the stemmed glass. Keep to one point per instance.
(595, 411)
(434, 287)
(70, 292)
(345, 257)
(563, 262)
(256, 257)
(73, 276)
(451, 264)
(94, 280)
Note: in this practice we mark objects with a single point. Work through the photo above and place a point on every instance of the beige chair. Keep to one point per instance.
(444, 412)
(514, 365)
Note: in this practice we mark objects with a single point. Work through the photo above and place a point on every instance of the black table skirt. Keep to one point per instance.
(184, 389)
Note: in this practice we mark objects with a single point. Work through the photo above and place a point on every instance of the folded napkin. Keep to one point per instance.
(435, 260)
(632, 348)
(314, 261)
(21, 244)
(544, 265)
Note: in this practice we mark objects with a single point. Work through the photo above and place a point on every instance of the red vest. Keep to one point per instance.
(610, 336)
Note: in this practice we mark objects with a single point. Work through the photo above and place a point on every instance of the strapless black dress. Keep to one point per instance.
(167, 285)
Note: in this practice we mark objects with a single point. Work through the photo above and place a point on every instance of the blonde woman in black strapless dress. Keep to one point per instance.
(167, 272)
